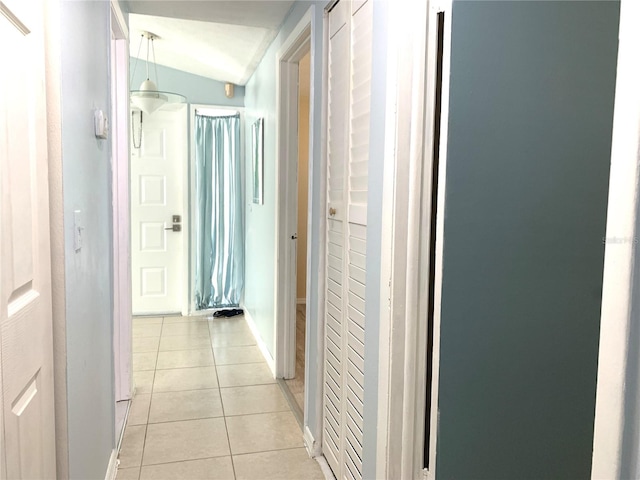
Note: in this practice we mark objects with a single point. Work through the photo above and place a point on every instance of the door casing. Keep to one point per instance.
(405, 246)
(122, 323)
(294, 48)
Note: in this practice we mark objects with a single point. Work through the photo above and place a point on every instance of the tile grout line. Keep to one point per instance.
(224, 417)
(190, 460)
(221, 456)
(198, 366)
(146, 427)
(153, 379)
(147, 424)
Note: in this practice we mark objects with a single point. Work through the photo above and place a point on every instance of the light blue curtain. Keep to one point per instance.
(219, 242)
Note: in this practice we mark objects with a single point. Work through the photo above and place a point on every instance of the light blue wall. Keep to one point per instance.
(260, 101)
(197, 89)
(85, 43)
(529, 148)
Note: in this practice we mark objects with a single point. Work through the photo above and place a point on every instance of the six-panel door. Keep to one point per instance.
(157, 194)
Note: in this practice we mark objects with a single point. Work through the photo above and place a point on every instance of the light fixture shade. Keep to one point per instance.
(148, 98)
(148, 102)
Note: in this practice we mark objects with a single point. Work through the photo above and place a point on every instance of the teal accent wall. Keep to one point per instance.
(530, 121)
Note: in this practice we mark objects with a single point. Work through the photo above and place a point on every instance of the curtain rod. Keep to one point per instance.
(213, 112)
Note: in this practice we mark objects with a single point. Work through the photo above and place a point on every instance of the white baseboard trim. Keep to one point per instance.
(313, 447)
(126, 419)
(261, 345)
(324, 466)
(301, 301)
(112, 468)
(314, 450)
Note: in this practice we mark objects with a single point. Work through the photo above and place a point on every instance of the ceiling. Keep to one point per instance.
(221, 40)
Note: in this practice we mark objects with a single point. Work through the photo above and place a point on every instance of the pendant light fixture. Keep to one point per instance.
(148, 98)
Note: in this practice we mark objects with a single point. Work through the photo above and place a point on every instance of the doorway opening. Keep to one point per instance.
(293, 181)
(295, 384)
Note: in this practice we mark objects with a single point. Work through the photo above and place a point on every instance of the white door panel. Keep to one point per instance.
(349, 96)
(157, 194)
(26, 351)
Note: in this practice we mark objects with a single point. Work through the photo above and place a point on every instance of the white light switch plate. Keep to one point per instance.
(101, 124)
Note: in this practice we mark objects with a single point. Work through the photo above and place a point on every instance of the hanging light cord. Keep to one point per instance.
(137, 144)
(148, 39)
(155, 65)
(135, 65)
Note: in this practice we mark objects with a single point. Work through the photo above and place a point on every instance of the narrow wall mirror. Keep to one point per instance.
(257, 152)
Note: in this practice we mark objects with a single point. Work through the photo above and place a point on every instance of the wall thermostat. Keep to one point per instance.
(101, 124)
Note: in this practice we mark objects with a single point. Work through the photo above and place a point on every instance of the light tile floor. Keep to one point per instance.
(207, 407)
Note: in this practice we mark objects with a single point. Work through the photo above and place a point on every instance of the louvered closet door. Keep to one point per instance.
(338, 127)
(350, 26)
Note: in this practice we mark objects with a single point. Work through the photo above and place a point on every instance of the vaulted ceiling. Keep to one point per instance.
(222, 40)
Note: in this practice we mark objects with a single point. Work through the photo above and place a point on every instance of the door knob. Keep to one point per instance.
(294, 236)
(175, 228)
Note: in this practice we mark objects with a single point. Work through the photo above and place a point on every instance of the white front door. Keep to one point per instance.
(27, 445)
(157, 195)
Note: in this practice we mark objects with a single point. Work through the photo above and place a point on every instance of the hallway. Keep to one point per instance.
(207, 407)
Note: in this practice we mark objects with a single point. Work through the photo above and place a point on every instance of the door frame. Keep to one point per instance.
(620, 288)
(190, 199)
(121, 228)
(405, 242)
(297, 44)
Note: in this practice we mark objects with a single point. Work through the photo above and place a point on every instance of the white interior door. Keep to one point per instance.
(157, 195)
(26, 352)
(350, 27)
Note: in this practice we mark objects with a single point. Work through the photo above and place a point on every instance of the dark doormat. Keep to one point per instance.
(228, 312)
